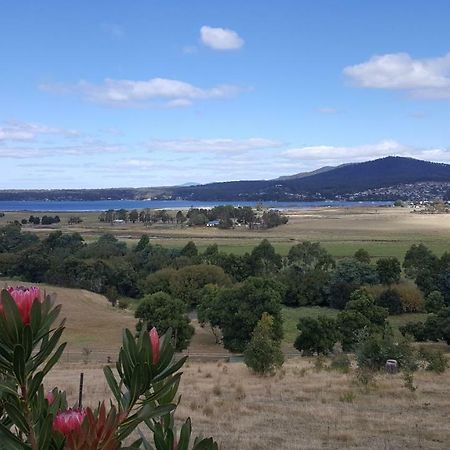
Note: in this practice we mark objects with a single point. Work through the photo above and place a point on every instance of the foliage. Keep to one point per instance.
(362, 256)
(434, 302)
(390, 299)
(163, 312)
(144, 389)
(316, 335)
(237, 310)
(341, 363)
(373, 350)
(436, 361)
(263, 354)
(350, 275)
(389, 270)
(360, 314)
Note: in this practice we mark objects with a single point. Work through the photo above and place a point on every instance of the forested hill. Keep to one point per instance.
(346, 179)
(326, 183)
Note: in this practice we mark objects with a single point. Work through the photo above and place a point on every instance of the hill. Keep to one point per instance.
(91, 322)
(329, 184)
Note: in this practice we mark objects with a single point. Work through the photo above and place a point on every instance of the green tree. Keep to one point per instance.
(189, 250)
(263, 353)
(362, 256)
(389, 270)
(310, 256)
(391, 300)
(360, 314)
(237, 310)
(419, 258)
(264, 260)
(434, 302)
(134, 215)
(316, 335)
(162, 311)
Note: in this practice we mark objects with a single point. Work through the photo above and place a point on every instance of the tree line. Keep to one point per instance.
(231, 292)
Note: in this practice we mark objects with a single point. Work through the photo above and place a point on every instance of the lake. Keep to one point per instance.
(103, 205)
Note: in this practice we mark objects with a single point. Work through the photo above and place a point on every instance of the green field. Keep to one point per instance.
(342, 231)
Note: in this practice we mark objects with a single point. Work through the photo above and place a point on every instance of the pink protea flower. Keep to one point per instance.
(154, 341)
(70, 420)
(24, 298)
(50, 397)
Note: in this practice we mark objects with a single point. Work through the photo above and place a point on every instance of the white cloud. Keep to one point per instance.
(334, 155)
(220, 38)
(213, 145)
(425, 78)
(23, 131)
(88, 148)
(155, 91)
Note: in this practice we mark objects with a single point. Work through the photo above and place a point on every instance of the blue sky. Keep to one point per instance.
(146, 93)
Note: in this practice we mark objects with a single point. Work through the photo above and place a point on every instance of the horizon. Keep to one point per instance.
(212, 182)
(101, 96)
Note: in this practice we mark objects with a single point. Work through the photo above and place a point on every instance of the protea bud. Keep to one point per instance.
(154, 341)
(24, 298)
(50, 397)
(70, 420)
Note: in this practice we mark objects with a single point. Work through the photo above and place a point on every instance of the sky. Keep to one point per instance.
(149, 93)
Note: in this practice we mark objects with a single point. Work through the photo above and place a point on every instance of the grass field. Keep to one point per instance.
(300, 408)
(342, 231)
(91, 323)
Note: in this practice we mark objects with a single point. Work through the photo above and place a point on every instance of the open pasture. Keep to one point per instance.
(382, 231)
(300, 408)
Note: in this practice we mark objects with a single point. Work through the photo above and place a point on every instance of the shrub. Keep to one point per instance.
(372, 351)
(434, 302)
(341, 363)
(123, 303)
(263, 354)
(411, 297)
(316, 335)
(389, 270)
(436, 361)
(390, 299)
(163, 312)
(144, 387)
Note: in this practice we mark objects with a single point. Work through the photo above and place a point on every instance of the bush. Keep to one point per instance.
(408, 294)
(436, 360)
(316, 335)
(143, 388)
(434, 302)
(390, 299)
(263, 354)
(123, 303)
(163, 312)
(341, 363)
(372, 351)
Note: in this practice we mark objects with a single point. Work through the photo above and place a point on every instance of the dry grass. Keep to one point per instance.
(300, 408)
(90, 320)
(382, 231)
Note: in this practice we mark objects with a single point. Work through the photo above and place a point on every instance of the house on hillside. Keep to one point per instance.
(213, 223)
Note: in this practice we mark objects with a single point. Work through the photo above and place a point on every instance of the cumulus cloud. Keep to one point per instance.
(220, 38)
(24, 131)
(213, 145)
(154, 92)
(425, 78)
(333, 155)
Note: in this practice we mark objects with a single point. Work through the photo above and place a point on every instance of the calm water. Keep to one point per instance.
(103, 205)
